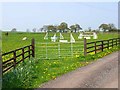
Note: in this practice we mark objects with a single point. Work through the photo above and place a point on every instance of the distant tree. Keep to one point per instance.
(27, 30)
(34, 29)
(89, 29)
(75, 28)
(50, 28)
(14, 30)
(72, 27)
(55, 28)
(63, 26)
(45, 28)
(112, 27)
(40, 30)
(104, 27)
(60, 28)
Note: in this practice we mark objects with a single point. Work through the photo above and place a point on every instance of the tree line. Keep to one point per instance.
(63, 27)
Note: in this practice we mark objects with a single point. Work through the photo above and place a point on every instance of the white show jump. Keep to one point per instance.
(88, 35)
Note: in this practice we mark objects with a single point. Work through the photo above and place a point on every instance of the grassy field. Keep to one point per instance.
(46, 48)
(14, 40)
(32, 73)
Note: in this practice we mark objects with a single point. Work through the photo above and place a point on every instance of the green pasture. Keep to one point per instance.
(14, 40)
(46, 48)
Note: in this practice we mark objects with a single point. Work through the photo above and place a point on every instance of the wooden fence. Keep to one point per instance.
(12, 62)
(99, 46)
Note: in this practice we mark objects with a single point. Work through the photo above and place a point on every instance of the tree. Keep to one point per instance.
(104, 27)
(34, 30)
(72, 27)
(89, 29)
(40, 29)
(112, 27)
(63, 26)
(14, 30)
(60, 28)
(75, 27)
(52, 28)
(27, 30)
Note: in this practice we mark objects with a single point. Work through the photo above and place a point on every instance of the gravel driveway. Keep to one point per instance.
(101, 74)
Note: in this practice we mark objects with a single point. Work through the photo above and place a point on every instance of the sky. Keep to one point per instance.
(29, 15)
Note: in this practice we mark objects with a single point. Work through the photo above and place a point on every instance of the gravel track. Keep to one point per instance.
(101, 74)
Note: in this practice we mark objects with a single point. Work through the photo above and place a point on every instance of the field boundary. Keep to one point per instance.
(98, 46)
(12, 62)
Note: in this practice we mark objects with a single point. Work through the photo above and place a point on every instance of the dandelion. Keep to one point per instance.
(53, 77)
(77, 56)
(92, 53)
(48, 74)
(44, 72)
(42, 77)
(46, 69)
(54, 62)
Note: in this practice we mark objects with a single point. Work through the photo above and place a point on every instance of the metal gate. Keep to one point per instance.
(58, 50)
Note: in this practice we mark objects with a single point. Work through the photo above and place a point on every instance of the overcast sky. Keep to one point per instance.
(23, 15)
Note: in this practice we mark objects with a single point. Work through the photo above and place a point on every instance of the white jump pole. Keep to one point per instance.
(71, 41)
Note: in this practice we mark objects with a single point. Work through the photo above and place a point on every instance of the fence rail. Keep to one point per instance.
(99, 46)
(12, 62)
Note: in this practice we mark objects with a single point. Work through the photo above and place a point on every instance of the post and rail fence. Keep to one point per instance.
(98, 46)
(95, 47)
(12, 62)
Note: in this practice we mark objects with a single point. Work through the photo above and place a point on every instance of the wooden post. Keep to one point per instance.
(14, 56)
(95, 47)
(29, 51)
(112, 42)
(33, 47)
(116, 41)
(119, 41)
(85, 47)
(108, 44)
(23, 54)
(102, 45)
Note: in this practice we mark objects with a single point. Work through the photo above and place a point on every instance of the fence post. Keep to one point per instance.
(119, 41)
(29, 51)
(23, 54)
(112, 42)
(14, 56)
(116, 41)
(102, 46)
(85, 47)
(95, 47)
(108, 44)
(33, 47)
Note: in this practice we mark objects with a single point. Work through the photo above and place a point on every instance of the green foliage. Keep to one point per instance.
(110, 27)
